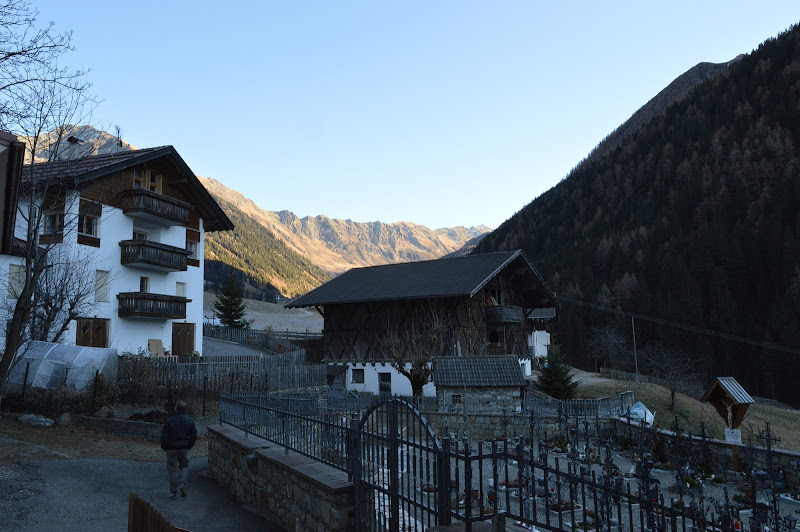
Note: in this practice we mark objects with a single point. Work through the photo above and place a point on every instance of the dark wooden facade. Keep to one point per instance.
(493, 322)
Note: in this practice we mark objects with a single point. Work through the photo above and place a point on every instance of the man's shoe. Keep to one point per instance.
(173, 496)
(183, 491)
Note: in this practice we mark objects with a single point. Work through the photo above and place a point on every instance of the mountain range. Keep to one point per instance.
(330, 245)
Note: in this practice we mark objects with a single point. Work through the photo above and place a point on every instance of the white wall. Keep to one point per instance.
(539, 341)
(400, 384)
(126, 334)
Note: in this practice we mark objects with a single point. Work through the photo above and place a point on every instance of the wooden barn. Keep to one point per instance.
(467, 306)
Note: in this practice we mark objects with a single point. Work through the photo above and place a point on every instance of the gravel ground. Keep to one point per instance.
(74, 478)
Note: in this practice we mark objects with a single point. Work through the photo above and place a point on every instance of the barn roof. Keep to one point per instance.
(451, 277)
(487, 371)
(74, 172)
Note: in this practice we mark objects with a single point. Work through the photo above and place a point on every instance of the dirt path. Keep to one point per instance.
(74, 478)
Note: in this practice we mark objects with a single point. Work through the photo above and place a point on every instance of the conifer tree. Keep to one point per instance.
(556, 380)
(229, 306)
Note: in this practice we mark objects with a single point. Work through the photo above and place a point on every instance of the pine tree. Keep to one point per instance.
(556, 380)
(229, 306)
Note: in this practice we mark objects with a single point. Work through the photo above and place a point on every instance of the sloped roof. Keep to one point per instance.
(475, 372)
(732, 389)
(542, 313)
(73, 172)
(451, 277)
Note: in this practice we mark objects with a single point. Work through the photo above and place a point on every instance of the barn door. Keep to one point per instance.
(182, 338)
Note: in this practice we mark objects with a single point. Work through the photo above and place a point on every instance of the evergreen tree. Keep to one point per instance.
(229, 306)
(556, 380)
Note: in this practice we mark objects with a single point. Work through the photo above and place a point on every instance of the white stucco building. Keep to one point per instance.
(132, 223)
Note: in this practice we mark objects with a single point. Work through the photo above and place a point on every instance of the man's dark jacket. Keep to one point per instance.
(179, 432)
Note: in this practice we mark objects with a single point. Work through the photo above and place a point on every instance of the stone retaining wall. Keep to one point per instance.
(137, 429)
(301, 493)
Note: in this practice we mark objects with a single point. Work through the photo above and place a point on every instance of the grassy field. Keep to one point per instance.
(691, 412)
(269, 315)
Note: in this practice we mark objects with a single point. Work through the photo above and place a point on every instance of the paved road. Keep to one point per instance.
(222, 347)
(46, 495)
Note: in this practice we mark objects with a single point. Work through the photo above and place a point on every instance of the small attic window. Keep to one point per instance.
(146, 179)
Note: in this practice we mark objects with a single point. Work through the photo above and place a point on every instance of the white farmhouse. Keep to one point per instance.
(133, 224)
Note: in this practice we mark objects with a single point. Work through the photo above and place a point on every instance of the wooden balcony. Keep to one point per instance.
(147, 305)
(154, 207)
(504, 314)
(153, 255)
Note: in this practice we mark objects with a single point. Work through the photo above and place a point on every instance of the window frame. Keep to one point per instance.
(101, 288)
(191, 247)
(144, 282)
(354, 372)
(145, 179)
(82, 219)
(16, 280)
(57, 218)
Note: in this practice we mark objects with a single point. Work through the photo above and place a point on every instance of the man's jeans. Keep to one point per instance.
(177, 465)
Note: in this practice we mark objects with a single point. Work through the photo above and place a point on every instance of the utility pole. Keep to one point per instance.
(635, 357)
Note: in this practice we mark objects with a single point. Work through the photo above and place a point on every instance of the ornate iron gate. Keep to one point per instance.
(400, 471)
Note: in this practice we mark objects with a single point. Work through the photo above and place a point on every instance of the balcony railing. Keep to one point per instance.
(147, 305)
(153, 255)
(504, 314)
(156, 207)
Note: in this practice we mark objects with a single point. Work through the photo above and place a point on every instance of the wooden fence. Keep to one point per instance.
(692, 389)
(147, 379)
(143, 517)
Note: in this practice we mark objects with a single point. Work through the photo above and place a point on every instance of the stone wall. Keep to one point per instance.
(301, 493)
(495, 399)
(137, 429)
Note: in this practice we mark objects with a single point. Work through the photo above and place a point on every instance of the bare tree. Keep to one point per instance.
(39, 99)
(672, 365)
(65, 292)
(606, 343)
(413, 340)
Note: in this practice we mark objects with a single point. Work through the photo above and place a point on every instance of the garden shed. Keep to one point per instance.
(50, 366)
(487, 383)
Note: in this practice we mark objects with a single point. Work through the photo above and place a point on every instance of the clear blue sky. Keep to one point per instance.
(441, 113)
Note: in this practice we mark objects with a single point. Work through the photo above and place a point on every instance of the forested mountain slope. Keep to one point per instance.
(695, 219)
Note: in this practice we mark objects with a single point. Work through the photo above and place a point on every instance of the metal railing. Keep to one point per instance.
(254, 338)
(608, 407)
(405, 478)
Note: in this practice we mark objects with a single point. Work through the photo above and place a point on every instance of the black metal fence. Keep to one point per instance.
(583, 476)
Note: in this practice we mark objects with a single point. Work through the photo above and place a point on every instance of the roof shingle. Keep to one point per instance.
(487, 371)
(460, 276)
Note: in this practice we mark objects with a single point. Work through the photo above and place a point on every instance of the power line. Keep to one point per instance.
(699, 330)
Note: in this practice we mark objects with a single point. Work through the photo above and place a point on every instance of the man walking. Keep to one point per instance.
(177, 437)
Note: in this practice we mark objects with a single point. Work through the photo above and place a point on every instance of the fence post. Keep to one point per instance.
(94, 388)
(25, 382)
(394, 466)
(205, 383)
(443, 510)
(354, 463)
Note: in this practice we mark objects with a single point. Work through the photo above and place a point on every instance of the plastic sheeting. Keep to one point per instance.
(639, 412)
(51, 366)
